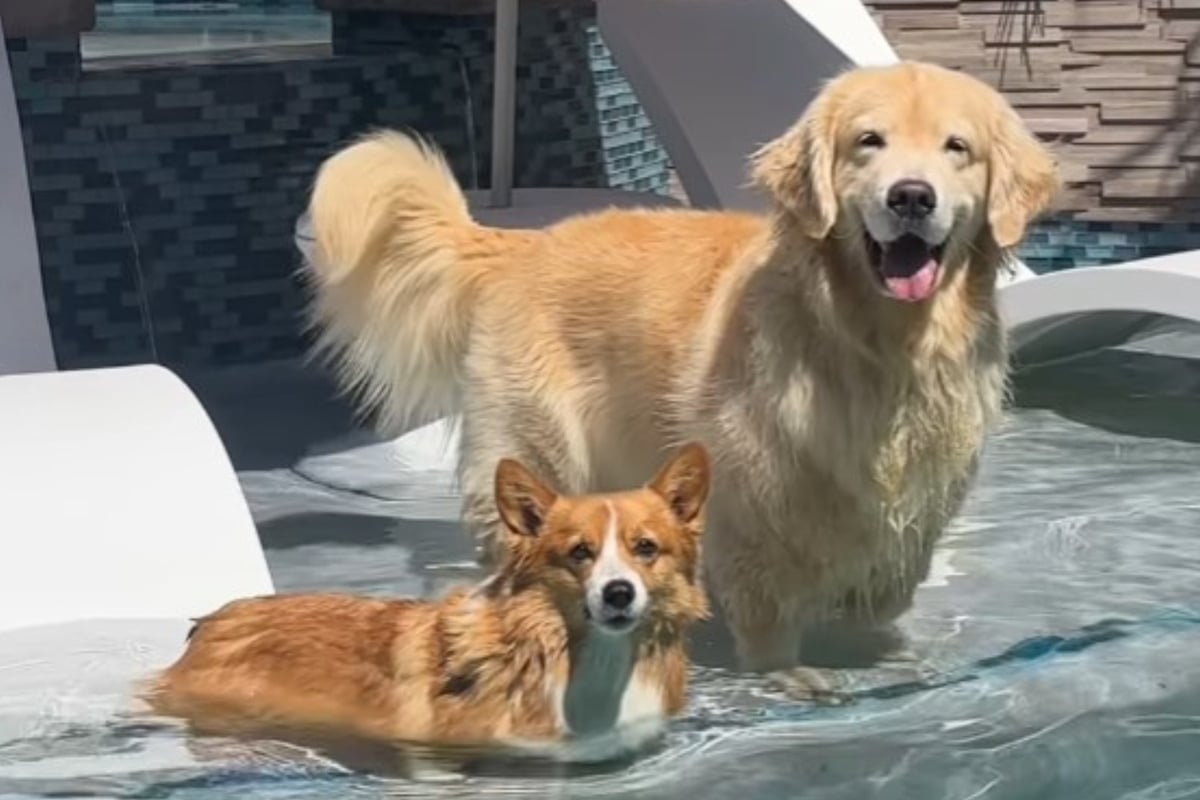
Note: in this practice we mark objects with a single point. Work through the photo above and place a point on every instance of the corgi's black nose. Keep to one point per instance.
(618, 594)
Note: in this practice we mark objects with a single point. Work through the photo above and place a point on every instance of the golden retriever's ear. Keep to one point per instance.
(797, 169)
(522, 500)
(1024, 178)
(683, 483)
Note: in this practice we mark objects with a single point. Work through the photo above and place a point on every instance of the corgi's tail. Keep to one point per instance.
(397, 264)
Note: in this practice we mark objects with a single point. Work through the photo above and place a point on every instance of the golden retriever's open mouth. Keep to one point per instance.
(908, 268)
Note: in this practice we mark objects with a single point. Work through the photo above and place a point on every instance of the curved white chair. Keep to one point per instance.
(117, 500)
(1066, 313)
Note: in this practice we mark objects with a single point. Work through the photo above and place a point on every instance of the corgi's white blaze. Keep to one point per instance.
(611, 565)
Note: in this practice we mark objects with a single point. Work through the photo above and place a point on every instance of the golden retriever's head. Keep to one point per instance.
(907, 165)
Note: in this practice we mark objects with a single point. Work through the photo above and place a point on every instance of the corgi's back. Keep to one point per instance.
(311, 660)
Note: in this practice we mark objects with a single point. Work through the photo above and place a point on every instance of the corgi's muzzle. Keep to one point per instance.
(616, 604)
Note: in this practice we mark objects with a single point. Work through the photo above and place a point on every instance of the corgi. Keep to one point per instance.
(579, 636)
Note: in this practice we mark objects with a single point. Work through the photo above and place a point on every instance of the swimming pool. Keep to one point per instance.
(1062, 621)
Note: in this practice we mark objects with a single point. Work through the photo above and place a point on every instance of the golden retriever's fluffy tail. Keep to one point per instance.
(393, 283)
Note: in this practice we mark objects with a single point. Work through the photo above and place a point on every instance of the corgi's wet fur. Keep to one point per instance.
(575, 643)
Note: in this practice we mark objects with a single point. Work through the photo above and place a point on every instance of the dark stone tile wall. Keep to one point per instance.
(566, 77)
(165, 198)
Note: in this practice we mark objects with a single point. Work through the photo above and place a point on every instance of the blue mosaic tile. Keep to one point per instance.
(1063, 244)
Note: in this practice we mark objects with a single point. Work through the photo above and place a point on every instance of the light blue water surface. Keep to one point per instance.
(1063, 621)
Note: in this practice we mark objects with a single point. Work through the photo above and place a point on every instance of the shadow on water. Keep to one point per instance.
(1119, 391)
(276, 417)
(365, 554)
(357, 530)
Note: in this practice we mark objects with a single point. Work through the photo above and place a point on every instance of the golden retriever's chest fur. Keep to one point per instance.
(838, 468)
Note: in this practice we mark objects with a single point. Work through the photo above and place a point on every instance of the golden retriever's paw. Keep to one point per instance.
(811, 685)
(905, 666)
(428, 770)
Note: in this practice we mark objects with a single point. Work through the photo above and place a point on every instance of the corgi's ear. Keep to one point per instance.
(522, 499)
(683, 483)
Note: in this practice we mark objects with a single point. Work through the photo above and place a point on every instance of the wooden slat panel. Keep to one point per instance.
(1130, 44)
(1073, 170)
(1182, 29)
(1078, 197)
(1143, 184)
(996, 32)
(919, 20)
(930, 4)
(1138, 111)
(1067, 15)
(1129, 213)
(1149, 153)
(1064, 97)
(1130, 133)
(1015, 78)
(1065, 123)
(1109, 76)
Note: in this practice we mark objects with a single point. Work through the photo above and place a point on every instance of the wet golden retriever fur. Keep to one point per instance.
(523, 659)
(845, 422)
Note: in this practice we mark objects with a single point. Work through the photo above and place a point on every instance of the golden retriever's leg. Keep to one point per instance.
(767, 643)
(764, 636)
(864, 647)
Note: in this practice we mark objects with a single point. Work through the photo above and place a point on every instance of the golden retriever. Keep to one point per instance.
(841, 356)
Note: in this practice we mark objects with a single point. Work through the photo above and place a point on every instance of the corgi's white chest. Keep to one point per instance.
(641, 703)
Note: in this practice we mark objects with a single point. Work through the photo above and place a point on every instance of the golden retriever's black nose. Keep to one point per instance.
(911, 199)
(618, 594)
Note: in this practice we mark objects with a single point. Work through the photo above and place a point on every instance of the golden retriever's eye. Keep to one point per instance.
(645, 548)
(870, 139)
(956, 144)
(580, 553)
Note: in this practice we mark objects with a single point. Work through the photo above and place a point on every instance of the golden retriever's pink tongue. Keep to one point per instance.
(909, 269)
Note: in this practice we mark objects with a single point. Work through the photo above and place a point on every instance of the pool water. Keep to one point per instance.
(214, 30)
(1061, 624)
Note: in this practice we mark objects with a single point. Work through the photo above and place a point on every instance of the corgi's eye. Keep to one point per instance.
(580, 553)
(645, 548)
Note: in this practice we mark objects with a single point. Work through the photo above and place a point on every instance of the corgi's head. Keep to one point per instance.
(615, 562)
